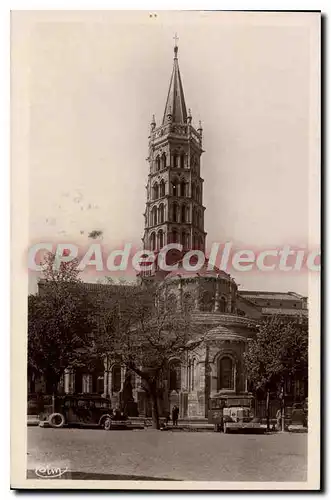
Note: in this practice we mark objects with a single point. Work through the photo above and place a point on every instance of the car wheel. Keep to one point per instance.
(56, 420)
(106, 424)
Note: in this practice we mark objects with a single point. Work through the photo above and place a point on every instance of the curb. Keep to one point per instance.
(32, 423)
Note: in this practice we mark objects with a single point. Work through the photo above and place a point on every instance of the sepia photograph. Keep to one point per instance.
(166, 250)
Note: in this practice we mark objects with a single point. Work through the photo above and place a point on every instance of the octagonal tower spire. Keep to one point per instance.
(175, 109)
(174, 206)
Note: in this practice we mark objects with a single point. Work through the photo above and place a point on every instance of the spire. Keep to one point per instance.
(175, 108)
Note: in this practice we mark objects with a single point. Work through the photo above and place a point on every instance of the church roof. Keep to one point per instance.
(223, 333)
(215, 319)
(285, 312)
(175, 104)
(203, 272)
(270, 295)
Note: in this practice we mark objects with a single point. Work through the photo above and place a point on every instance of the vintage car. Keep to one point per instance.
(233, 413)
(295, 415)
(78, 410)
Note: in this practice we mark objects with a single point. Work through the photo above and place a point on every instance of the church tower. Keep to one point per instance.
(174, 207)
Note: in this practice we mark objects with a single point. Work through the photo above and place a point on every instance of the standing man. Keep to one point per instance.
(167, 417)
(175, 413)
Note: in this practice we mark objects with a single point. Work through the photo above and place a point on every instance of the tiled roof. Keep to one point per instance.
(218, 318)
(269, 295)
(284, 312)
(203, 272)
(222, 333)
(108, 288)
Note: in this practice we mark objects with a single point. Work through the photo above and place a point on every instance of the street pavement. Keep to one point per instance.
(151, 454)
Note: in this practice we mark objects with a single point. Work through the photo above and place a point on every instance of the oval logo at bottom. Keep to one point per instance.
(50, 472)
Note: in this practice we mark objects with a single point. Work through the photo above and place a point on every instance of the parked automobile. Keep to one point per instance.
(117, 420)
(78, 410)
(231, 413)
(298, 414)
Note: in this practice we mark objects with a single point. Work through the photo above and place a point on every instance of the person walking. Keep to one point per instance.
(167, 417)
(175, 413)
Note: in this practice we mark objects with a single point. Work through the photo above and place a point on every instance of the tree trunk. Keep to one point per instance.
(268, 409)
(54, 393)
(155, 410)
(283, 408)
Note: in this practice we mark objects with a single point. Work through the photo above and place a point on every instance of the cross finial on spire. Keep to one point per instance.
(176, 46)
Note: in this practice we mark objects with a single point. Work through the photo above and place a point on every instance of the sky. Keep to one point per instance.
(96, 79)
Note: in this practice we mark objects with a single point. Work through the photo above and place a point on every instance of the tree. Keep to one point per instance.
(277, 354)
(58, 322)
(139, 331)
(95, 234)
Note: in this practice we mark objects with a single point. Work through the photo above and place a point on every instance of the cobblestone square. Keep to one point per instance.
(148, 454)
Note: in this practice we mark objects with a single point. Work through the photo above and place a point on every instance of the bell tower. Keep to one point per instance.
(174, 208)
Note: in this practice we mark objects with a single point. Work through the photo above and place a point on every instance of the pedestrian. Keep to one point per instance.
(167, 417)
(175, 413)
(279, 420)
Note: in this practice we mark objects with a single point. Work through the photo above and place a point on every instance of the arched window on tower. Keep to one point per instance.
(183, 188)
(163, 161)
(158, 163)
(174, 188)
(161, 213)
(197, 194)
(175, 212)
(187, 218)
(182, 161)
(182, 240)
(154, 216)
(155, 191)
(160, 239)
(226, 373)
(174, 375)
(185, 240)
(162, 188)
(193, 190)
(174, 236)
(183, 213)
(152, 242)
(174, 160)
